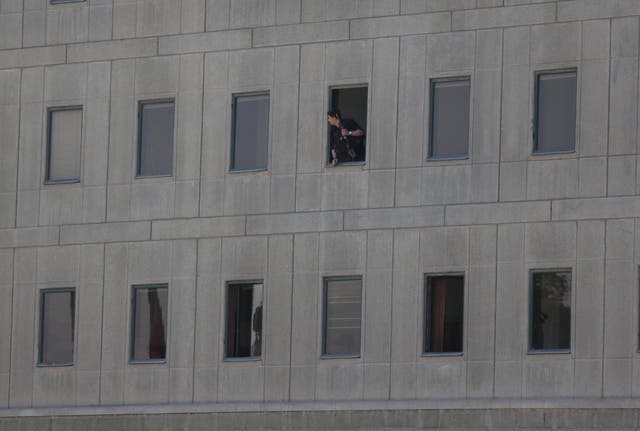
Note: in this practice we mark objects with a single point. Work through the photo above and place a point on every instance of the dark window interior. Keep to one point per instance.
(444, 314)
(150, 323)
(555, 112)
(57, 321)
(343, 312)
(244, 320)
(551, 310)
(155, 157)
(450, 118)
(250, 132)
(352, 104)
(65, 144)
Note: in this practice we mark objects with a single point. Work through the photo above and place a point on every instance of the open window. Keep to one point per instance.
(347, 118)
(550, 311)
(555, 112)
(244, 320)
(444, 311)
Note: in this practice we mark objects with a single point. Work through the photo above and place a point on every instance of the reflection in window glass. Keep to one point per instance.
(244, 320)
(65, 144)
(149, 323)
(342, 319)
(555, 112)
(347, 119)
(57, 321)
(155, 151)
(551, 310)
(250, 132)
(449, 118)
(444, 304)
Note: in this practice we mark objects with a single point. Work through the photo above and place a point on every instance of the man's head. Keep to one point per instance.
(334, 117)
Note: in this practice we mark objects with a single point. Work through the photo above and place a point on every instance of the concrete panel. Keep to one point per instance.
(593, 174)
(217, 14)
(105, 232)
(146, 385)
(30, 149)
(486, 116)
(459, 183)
(444, 247)
(158, 75)
(590, 9)
(342, 253)
(517, 46)
(356, 66)
(344, 190)
(513, 181)
(9, 139)
(189, 127)
(97, 127)
(28, 57)
(595, 40)
(307, 288)
(481, 311)
(58, 206)
(623, 110)
(508, 379)
(620, 169)
(181, 324)
(198, 228)
(29, 237)
(620, 284)
(394, 218)
(34, 27)
(294, 222)
(301, 33)
(204, 42)
(554, 43)
(345, 381)
(588, 377)
(152, 200)
(480, 379)
(100, 22)
(252, 13)
(377, 313)
(302, 383)
(278, 300)
(122, 130)
(252, 68)
(448, 52)
(124, 20)
(244, 257)
(552, 179)
(240, 382)
(376, 381)
(408, 187)
(580, 209)
(192, 16)
(149, 262)
(441, 378)
(624, 37)
(282, 193)
(156, 17)
(246, 194)
(489, 49)
(67, 25)
(548, 377)
(411, 117)
(112, 50)
(589, 298)
(288, 11)
(276, 383)
(594, 118)
(285, 124)
(54, 387)
(399, 26)
(617, 377)
(312, 148)
(58, 264)
(516, 130)
(381, 188)
(549, 242)
(511, 311)
(503, 17)
(498, 213)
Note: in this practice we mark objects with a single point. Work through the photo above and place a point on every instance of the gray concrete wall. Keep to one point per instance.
(493, 217)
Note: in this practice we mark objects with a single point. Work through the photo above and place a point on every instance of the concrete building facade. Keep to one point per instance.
(494, 217)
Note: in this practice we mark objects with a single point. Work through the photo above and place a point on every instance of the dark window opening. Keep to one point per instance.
(555, 112)
(64, 144)
(244, 320)
(347, 119)
(149, 323)
(155, 140)
(449, 123)
(342, 316)
(249, 149)
(444, 305)
(550, 311)
(57, 326)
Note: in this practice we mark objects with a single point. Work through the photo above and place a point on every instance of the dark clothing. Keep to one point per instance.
(347, 148)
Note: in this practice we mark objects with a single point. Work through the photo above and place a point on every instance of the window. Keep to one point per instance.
(64, 144)
(555, 112)
(444, 306)
(449, 122)
(249, 150)
(155, 138)
(149, 323)
(342, 316)
(66, 1)
(57, 326)
(550, 320)
(244, 320)
(347, 119)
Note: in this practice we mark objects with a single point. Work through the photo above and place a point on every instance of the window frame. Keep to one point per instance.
(65, 1)
(327, 153)
(536, 105)
(47, 173)
(234, 98)
(141, 105)
(530, 349)
(133, 313)
(432, 86)
(427, 312)
(42, 293)
(241, 283)
(325, 284)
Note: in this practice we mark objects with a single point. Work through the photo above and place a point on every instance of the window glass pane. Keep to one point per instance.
(343, 312)
(450, 118)
(556, 112)
(57, 323)
(551, 310)
(150, 323)
(251, 132)
(65, 142)
(244, 320)
(156, 138)
(444, 314)
(349, 112)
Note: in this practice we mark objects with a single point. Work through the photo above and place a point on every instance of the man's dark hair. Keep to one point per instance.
(335, 113)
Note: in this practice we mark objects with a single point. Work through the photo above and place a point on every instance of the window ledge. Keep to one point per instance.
(355, 356)
(442, 354)
(54, 364)
(152, 177)
(549, 352)
(62, 181)
(553, 155)
(246, 171)
(147, 361)
(243, 359)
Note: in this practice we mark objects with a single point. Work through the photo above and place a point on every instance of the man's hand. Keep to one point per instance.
(345, 132)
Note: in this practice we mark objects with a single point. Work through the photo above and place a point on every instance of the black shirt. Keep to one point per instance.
(347, 148)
